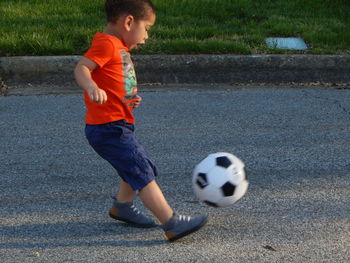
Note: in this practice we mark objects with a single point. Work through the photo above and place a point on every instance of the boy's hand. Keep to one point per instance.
(97, 95)
(136, 101)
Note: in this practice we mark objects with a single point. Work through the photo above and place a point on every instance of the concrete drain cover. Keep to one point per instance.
(295, 43)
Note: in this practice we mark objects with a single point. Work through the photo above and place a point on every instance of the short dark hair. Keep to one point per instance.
(139, 9)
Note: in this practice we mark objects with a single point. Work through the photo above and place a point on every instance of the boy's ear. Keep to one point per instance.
(128, 21)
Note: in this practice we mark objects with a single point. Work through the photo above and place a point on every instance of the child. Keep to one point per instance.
(107, 76)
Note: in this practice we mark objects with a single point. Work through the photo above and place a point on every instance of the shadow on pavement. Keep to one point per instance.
(58, 234)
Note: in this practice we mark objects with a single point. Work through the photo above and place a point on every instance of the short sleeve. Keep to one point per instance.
(101, 51)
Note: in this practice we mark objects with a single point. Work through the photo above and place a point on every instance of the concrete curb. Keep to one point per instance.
(189, 69)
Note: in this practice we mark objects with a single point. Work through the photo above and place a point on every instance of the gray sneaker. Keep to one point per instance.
(179, 226)
(128, 213)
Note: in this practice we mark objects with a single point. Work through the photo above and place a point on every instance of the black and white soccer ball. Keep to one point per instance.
(220, 179)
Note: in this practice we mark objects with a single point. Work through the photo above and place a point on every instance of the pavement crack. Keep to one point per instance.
(334, 101)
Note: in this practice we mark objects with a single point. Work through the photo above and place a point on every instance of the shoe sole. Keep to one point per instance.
(132, 223)
(189, 231)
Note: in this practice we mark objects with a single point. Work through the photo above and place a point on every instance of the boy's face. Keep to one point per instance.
(138, 32)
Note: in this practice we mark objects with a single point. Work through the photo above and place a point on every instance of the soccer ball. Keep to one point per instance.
(220, 180)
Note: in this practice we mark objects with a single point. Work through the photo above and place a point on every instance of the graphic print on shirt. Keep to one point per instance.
(130, 83)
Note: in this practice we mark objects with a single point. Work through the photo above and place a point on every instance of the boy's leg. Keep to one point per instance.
(154, 200)
(125, 193)
(124, 210)
(151, 195)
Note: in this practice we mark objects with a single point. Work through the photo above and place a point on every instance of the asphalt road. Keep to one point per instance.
(55, 191)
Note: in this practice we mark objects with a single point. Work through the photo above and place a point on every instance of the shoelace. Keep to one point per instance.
(184, 218)
(135, 210)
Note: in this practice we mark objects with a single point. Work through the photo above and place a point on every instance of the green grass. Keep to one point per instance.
(66, 27)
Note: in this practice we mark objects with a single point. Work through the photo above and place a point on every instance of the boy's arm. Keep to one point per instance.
(83, 77)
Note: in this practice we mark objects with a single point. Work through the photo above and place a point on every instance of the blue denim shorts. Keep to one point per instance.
(116, 143)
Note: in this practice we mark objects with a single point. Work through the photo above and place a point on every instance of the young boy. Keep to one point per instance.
(107, 75)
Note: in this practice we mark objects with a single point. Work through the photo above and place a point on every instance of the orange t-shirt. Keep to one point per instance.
(116, 76)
